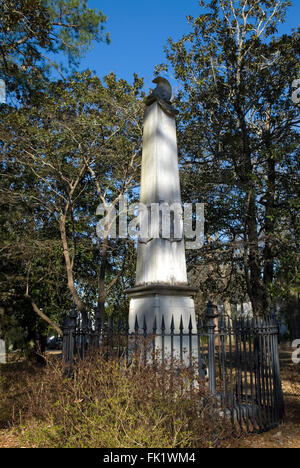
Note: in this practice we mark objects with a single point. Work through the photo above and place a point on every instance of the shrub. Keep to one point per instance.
(109, 405)
(13, 397)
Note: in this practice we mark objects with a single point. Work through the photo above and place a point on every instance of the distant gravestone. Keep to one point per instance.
(244, 310)
(2, 92)
(2, 352)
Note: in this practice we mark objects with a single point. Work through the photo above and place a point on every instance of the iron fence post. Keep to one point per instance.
(84, 335)
(211, 315)
(69, 330)
(65, 342)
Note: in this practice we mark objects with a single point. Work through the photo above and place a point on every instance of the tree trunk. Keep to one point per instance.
(227, 308)
(255, 293)
(268, 254)
(251, 235)
(44, 316)
(101, 283)
(69, 266)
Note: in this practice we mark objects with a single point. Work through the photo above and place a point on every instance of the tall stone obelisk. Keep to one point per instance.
(161, 289)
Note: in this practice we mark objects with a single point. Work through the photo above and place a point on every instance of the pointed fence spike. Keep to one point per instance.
(73, 313)
(154, 326)
(222, 323)
(172, 327)
(235, 325)
(190, 325)
(145, 326)
(136, 325)
(181, 325)
(163, 327)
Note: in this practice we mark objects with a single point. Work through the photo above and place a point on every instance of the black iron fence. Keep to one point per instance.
(237, 358)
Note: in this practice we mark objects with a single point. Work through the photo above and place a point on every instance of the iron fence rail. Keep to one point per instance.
(237, 358)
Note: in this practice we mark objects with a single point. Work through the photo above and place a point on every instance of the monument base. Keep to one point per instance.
(167, 313)
(151, 304)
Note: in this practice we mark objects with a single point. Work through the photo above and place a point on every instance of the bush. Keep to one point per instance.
(13, 397)
(109, 405)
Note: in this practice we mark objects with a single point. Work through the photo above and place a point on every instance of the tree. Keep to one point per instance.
(239, 139)
(78, 144)
(31, 29)
(34, 32)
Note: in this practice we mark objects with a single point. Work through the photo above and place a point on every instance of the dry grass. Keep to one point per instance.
(109, 405)
(285, 436)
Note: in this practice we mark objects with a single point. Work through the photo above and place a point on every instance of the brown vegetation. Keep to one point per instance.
(109, 405)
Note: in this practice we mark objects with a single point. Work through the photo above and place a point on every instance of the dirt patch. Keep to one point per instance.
(8, 439)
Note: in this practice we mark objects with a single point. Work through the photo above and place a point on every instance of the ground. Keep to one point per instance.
(288, 434)
(8, 440)
(285, 436)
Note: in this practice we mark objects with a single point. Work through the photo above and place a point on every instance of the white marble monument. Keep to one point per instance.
(2, 352)
(161, 288)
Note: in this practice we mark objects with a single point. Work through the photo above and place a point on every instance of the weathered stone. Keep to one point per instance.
(2, 352)
(161, 279)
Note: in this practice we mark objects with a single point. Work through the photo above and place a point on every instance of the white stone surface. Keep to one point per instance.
(159, 306)
(244, 309)
(2, 352)
(160, 260)
(160, 173)
(148, 308)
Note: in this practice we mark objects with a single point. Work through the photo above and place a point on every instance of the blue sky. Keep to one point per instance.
(139, 31)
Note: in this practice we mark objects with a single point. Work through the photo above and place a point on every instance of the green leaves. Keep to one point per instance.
(32, 32)
(77, 141)
(238, 139)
